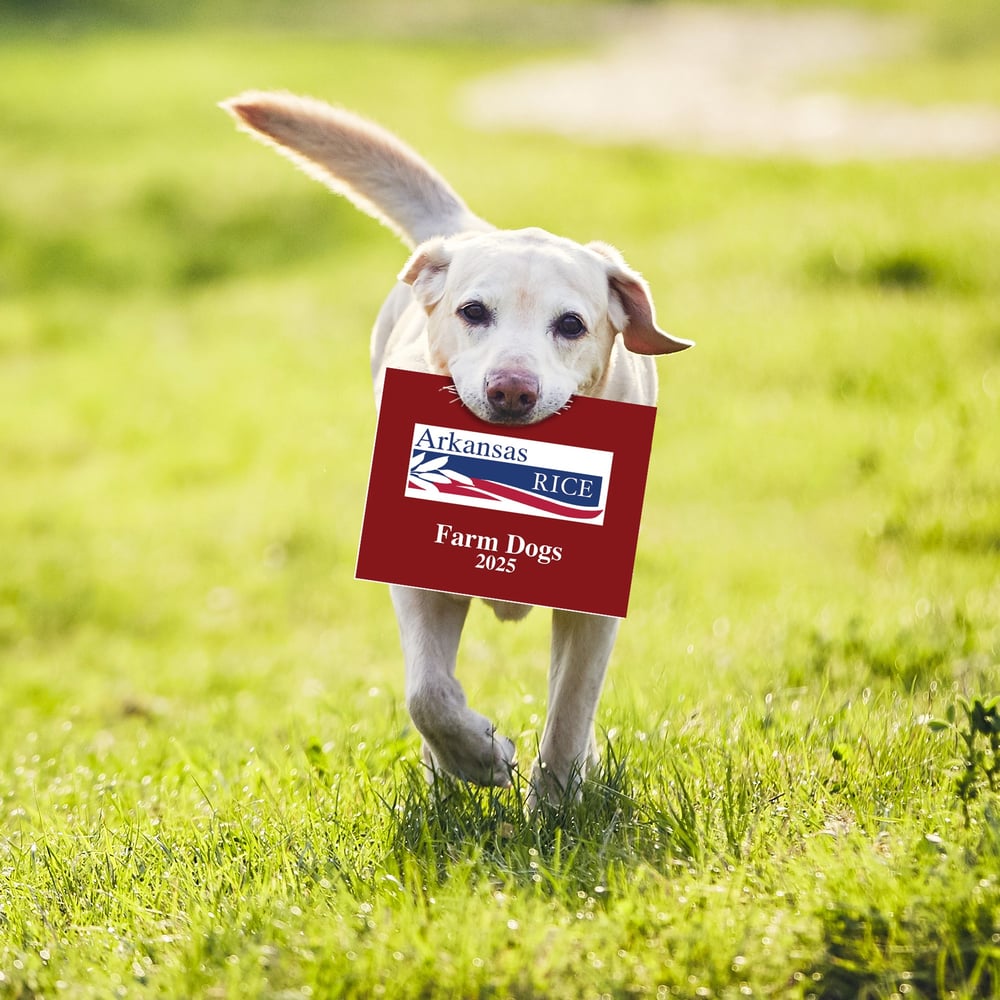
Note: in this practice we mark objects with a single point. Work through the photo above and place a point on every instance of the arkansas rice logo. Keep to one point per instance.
(537, 478)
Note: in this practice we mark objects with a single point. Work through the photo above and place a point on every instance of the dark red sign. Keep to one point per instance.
(546, 513)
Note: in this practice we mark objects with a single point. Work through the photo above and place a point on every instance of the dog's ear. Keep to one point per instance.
(631, 307)
(426, 272)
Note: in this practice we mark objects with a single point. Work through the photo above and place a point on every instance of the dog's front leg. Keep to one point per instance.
(456, 739)
(581, 647)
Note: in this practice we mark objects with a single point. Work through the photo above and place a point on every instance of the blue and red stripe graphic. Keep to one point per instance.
(530, 489)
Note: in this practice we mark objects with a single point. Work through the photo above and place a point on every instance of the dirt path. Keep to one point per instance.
(734, 80)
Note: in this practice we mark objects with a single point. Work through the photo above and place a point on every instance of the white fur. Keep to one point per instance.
(515, 367)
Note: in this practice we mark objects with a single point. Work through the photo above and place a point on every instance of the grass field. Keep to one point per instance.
(209, 786)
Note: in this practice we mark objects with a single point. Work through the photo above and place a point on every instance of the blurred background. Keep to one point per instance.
(185, 414)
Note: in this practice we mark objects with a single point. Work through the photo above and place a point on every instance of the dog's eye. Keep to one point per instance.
(475, 314)
(570, 326)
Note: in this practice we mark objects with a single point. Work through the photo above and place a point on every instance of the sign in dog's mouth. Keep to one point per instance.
(544, 513)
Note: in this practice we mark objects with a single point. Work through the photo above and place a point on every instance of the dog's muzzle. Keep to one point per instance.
(511, 395)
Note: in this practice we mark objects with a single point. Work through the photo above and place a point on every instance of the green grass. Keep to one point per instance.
(208, 782)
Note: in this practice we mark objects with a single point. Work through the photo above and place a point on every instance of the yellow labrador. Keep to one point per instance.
(520, 321)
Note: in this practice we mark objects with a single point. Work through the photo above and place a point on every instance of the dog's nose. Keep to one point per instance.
(512, 395)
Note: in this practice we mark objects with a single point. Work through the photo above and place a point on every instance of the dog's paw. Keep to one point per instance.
(474, 752)
(554, 786)
(461, 742)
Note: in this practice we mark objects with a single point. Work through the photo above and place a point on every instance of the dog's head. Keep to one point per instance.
(521, 320)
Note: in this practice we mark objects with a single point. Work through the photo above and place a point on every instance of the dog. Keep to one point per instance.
(520, 320)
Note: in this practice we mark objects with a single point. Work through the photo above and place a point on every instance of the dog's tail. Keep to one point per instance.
(356, 158)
